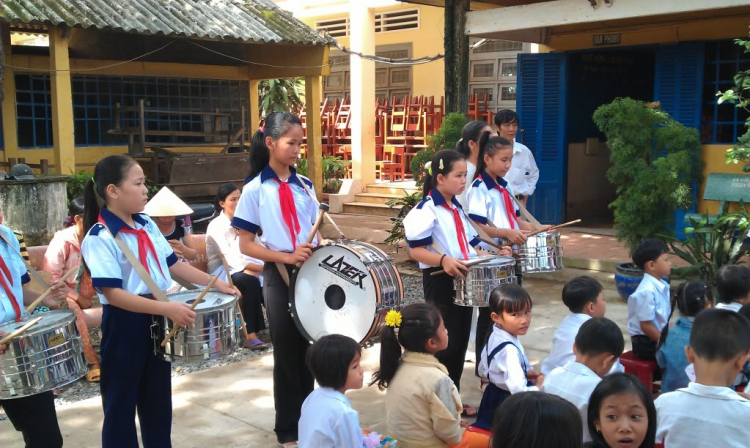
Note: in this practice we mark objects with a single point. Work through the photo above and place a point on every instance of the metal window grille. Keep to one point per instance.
(334, 27)
(33, 110)
(496, 46)
(722, 123)
(397, 20)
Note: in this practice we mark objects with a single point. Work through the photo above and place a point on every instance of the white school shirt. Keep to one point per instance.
(18, 275)
(486, 202)
(108, 265)
(471, 169)
(506, 369)
(699, 415)
(523, 173)
(259, 207)
(734, 306)
(649, 302)
(562, 344)
(430, 221)
(328, 421)
(222, 238)
(574, 382)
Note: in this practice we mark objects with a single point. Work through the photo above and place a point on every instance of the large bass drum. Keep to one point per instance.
(346, 287)
(49, 355)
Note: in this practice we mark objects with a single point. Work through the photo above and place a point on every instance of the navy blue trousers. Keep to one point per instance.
(34, 416)
(133, 380)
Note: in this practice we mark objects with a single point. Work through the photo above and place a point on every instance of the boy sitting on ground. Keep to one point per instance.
(733, 286)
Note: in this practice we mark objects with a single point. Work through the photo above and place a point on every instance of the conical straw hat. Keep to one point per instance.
(166, 203)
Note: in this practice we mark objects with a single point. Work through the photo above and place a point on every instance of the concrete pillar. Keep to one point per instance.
(10, 132)
(254, 106)
(313, 94)
(362, 92)
(62, 101)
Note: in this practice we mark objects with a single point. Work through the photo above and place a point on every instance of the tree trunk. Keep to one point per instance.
(456, 56)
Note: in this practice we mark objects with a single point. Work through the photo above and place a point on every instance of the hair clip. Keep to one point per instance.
(428, 167)
(393, 318)
(263, 129)
(441, 165)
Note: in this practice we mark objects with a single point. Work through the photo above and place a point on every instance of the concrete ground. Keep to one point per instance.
(232, 406)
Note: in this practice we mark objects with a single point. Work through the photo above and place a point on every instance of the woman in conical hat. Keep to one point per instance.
(164, 208)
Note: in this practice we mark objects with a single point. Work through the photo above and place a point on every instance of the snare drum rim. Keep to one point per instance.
(41, 326)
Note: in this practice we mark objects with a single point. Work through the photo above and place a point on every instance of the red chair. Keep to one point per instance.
(641, 368)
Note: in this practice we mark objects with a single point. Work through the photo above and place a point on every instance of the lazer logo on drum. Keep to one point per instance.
(344, 270)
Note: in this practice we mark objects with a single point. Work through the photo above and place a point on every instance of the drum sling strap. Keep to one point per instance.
(34, 273)
(526, 215)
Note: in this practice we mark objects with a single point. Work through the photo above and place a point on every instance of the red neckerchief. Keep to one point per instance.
(463, 243)
(8, 289)
(145, 245)
(288, 210)
(509, 209)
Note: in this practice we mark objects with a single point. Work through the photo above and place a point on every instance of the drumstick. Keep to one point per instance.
(192, 307)
(559, 226)
(231, 285)
(491, 243)
(469, 263)
(44, 295)
(20, 331)
(323, 209)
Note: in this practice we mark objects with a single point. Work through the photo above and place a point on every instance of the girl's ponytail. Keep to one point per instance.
(90, 205)
(489, 145)
(390, 355)
(259, 154)
(673, 304)
(690, 298)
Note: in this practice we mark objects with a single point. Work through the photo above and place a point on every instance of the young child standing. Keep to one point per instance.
(597, 346)
(648, 306)
(276, 200)
(622, 413)
(733, 286)
(707, 412)
(690, 298)
(422, 405)
(584, 297)
(328, 420)
(436, 224)
(132, 376)
(504, 360)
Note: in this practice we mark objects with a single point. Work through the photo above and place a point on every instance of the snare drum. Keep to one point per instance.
(49, 355)
(541, 253)
(215, 333)
(482, 278)
(346, 287)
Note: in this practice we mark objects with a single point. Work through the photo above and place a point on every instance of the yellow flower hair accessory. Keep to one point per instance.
(441, 164)
(428, 167)
(393, 318)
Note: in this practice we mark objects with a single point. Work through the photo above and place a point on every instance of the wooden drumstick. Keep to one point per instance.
(44, 295)
(231, 285)
(323, 209)
(20, 331)
(192, 307)
(559, 226)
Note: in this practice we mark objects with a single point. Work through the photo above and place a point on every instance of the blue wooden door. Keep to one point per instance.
(678, 85)
(541, 102)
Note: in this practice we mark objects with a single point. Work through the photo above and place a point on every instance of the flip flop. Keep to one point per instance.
(255, 344)
(468, 411)
(93, 375)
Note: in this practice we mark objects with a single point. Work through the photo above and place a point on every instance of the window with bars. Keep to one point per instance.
(722, 123)
(334, 27)
(484, 69)
(497, 46)
(494, 71)
(95, 99)
(397, 20)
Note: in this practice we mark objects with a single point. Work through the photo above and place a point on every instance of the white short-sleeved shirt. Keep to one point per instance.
(108, 265)
(486, 202)
(734, 306)
(18, 276)
(562, 344)
(471, 169)
(328, 421)
(574, 382)
(222, 238)
(649, 302)
(523, 173)
(699, 415)
(506, 370)
(259, 208)
(431, 222)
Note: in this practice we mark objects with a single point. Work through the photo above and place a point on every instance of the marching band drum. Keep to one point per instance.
(541, 253)
(481, 279)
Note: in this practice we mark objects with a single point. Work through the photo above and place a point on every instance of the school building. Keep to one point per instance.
(678, 52)
(69, 64)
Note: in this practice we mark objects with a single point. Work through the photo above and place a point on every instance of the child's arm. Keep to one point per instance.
(445, 412)
(347, 431)
(195, 275)
(649, 329)
(515, 376)
(249, 248)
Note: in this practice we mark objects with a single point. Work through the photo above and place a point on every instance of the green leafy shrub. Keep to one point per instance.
(445, 138)
(334, 172)
(74, 184)
(739, 95)
(656, 167)
(404, 204)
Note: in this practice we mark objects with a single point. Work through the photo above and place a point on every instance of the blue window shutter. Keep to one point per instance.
(679, 87)
(541, 103)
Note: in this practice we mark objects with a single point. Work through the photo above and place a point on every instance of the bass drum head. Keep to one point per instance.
(333, 293)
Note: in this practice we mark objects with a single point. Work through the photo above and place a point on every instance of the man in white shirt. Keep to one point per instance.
(597, 346)
(523, 174)
(708, 412)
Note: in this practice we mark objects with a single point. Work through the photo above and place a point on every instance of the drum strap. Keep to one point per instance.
(525, 213)
(330, 220)
(34, 273)
(283, 272)
(130, 256)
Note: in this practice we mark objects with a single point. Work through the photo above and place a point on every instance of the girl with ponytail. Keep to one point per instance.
(468, 145)
(690, 299)
(133, 378)
(440, 238)
(422, 404)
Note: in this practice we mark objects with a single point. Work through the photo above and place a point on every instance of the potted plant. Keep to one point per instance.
(655, 167)
(334, 171)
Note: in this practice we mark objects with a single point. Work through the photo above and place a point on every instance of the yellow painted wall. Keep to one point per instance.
(714, 156)
(427, 40)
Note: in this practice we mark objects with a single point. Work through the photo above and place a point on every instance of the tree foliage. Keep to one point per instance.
(739, 95)
(655, 167)
(281, 95)
(445, 138)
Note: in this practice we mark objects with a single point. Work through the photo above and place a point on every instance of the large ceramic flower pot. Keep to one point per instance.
(627, 279)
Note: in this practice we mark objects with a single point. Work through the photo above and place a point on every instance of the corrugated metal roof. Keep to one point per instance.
(248, 20)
